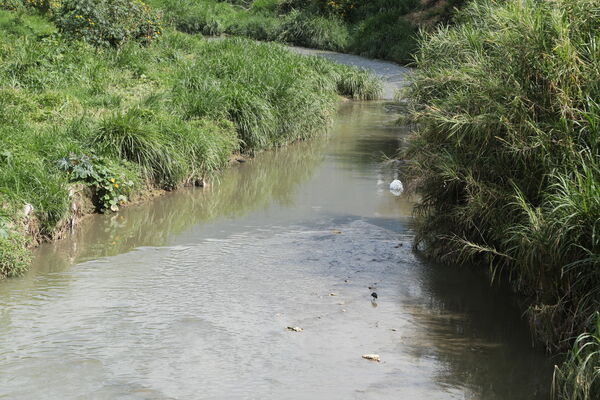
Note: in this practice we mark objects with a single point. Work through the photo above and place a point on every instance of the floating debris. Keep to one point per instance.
(294, 329)
(333, 294)
(374, 295)
(336, 232)
(372, 357)
(396, 187)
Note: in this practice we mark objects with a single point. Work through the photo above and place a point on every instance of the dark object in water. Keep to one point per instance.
(240, 160)
(374, 295)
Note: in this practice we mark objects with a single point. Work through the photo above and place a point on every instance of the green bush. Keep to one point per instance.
(110, 184)
(108, 22)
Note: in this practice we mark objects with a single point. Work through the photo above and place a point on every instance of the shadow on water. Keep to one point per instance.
(475, 329)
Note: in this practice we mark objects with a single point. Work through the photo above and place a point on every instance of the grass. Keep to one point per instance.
(160, 114)
(505, 154)
(578, 378)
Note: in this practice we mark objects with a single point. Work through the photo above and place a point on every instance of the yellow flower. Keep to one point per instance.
(116, 185)
(113, 180)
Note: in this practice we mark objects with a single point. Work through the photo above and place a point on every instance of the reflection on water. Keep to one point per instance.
(189, 296)
(272, 178)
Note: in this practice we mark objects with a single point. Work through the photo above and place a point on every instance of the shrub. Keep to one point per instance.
(108, 22)
(111, 186)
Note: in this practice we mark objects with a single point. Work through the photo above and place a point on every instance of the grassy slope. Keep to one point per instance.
(160, 115)
(506, 161)
(380, 29)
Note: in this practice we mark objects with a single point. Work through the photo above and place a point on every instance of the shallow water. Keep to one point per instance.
(189, 295)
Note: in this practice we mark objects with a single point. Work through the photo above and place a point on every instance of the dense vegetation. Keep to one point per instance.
(113, 111)
(506, 159)
(378, 28)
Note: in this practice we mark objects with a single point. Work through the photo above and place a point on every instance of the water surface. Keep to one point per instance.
(189, 295)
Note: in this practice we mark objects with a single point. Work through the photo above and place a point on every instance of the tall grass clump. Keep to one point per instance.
(578, 378)
(505, 152)
(315, 31)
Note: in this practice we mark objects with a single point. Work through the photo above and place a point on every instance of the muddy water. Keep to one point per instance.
(189, 295)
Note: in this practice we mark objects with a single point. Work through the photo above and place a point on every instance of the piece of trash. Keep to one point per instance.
(396, 187)
(372, 357)
(336, 232)
(294, 329)
(393, 329)
(374, 295)
(333, 294)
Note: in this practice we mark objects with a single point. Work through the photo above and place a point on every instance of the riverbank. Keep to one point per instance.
(87, 128)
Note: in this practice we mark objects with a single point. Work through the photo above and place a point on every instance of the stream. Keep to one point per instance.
(189, 295)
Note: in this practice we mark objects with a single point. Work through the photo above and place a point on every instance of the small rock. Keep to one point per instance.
(372, 357)
(374, 295)
(294, 329)
(393, 329)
